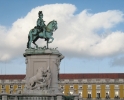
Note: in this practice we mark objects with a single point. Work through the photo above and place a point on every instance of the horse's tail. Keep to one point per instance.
(28, 41)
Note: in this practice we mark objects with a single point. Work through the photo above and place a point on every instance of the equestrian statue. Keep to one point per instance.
(42, 31)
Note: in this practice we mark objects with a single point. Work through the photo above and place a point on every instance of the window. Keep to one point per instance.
(89, 94)
(71, 86)
(98, 86)
(107, 86)
(107, 95)
(10, 92)
(80, 86)
(19, 86)
(98, 94)
(116, 86)
(3, 86)
(11, 86)
(61, 86)
(89, 86)
(1, 91)
(75, 81)
(116, 95)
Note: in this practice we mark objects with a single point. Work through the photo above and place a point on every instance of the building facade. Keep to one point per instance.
(92, 86)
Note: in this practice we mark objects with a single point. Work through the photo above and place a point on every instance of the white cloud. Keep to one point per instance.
(77, 35)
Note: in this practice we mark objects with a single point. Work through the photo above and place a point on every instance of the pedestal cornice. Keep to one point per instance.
(41, 51)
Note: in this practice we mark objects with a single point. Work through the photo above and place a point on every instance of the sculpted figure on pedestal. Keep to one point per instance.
(41, 31)
(38, 78)
(41, 80)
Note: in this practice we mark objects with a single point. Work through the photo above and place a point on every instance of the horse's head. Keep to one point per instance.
(52, 26)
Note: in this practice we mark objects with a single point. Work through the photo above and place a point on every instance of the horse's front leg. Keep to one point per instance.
(35, 39)
(29, 42)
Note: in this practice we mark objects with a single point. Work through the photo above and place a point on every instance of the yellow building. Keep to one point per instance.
(11, 84)
(107, 85)
(110, 85)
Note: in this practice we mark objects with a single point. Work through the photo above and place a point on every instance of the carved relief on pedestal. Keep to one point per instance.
(41, 80)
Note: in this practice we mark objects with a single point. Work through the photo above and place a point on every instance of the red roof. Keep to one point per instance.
(92, 75)
(73, 76)
(12, 77)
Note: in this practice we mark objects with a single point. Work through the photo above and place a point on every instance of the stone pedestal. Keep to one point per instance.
(39, 61)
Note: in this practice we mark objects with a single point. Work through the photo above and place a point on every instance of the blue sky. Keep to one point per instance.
(17, 9)
(84, 56)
